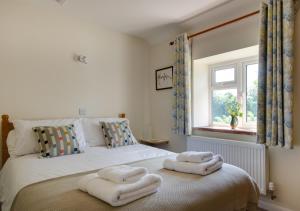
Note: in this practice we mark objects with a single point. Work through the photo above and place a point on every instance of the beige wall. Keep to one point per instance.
(161, 101)
(284, 165)
(39, 79)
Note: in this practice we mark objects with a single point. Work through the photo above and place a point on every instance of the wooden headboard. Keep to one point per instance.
(6, 126)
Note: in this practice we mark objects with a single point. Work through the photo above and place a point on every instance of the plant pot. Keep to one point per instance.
(234, 122)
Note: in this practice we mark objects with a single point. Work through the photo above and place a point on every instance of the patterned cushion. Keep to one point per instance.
(57, 141)
(117, 134)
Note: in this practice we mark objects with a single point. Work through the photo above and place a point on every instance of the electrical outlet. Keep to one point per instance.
(82, 111)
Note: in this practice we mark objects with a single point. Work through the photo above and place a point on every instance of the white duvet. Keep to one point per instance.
(20, 172)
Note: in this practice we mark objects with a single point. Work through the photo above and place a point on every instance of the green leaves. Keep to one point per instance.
(233, 107)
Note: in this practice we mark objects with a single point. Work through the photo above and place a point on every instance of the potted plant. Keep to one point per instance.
(233, 108)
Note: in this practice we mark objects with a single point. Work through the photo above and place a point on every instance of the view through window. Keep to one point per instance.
(251, 106)
(235, 84)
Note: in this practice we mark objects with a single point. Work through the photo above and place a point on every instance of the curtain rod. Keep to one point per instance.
(221, 25)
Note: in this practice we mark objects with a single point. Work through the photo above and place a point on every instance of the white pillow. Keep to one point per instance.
(26, 142)
(92, 131)
(11, 143)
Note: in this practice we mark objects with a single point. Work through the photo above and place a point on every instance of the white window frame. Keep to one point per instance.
(244, 83)
(223, 67)
(239, 82)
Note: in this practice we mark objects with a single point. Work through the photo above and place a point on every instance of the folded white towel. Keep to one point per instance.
(194, 157)
(82, 183)
(122, 174)
(121, 194)
(195, 168)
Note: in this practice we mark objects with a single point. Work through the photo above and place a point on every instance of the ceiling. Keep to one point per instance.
(141, 18)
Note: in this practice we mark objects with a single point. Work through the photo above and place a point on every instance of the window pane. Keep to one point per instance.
(251, 106)
(219, 99)
(224, 75)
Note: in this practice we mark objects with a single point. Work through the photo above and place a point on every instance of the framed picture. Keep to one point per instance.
(164, 78)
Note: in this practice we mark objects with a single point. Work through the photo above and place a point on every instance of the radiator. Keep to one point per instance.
(248, 156)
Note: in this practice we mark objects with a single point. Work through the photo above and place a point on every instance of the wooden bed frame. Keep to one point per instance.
(6, 127)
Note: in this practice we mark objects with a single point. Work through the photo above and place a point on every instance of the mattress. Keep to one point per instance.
(20, 172)
(30, 183)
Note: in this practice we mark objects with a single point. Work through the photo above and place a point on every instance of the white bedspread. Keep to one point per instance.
(20, 172)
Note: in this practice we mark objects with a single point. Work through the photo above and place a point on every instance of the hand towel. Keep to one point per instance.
(195, 168)
(194, 157)
(121, 194)
(122, 173)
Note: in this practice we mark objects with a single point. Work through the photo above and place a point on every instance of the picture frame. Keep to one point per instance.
(164, 78)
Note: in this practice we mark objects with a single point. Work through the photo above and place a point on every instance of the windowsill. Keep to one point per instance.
(227, 130)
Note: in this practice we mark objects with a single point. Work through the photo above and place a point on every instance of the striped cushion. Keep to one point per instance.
(117, 134)
(57, 141)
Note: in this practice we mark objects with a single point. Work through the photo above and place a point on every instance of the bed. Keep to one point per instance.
(30, 183)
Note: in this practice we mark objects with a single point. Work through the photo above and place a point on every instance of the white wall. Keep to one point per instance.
(161, 101)
(200, 89)
(39, 79)
(284, 169)
(232, 37)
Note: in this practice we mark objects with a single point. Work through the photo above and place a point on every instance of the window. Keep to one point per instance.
(251, 93)
(225, 75)
(230, 82)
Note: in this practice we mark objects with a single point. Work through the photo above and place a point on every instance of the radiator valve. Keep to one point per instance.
(272, 190)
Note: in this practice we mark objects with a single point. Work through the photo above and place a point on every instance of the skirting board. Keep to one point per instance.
(271, 206)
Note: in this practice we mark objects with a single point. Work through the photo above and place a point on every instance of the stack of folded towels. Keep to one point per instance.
(119, 185)
(202, 163)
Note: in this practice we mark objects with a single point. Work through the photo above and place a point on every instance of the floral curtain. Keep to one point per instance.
(182, 86)
(275, 79)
